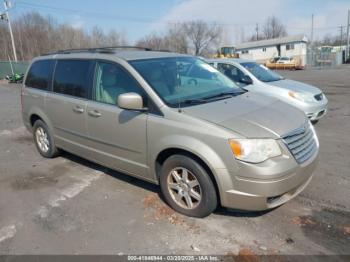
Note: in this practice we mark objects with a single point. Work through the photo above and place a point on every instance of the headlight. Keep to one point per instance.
(301, 96)
(254, 150)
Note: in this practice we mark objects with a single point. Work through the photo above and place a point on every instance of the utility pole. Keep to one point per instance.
(348, 37)
(341, 44)
(257, 31)
(312, 29)
(341, 35)
(310, 57)
(7, 5)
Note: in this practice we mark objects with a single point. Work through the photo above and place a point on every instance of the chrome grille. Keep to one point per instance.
(302, 143)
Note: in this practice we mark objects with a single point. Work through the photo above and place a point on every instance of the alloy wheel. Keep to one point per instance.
(42, 139)
(184, 188)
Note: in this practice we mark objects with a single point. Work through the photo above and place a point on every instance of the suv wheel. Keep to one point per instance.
(44, 140)
(187, 187)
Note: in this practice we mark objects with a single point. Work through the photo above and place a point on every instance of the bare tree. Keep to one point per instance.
(152, 41)
(113, 38)
(273, 28)
(35, 34)
(4, 42)
(202, 35)
(176, 38)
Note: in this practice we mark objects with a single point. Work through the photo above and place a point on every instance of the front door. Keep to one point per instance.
(117, 137)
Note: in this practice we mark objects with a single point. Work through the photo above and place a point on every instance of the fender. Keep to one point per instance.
(39, 112)
(198, 148)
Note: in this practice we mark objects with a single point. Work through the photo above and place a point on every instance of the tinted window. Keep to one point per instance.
(39, 74)
(72, 77)
(111, 81)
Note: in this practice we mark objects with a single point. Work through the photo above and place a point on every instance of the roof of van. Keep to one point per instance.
(137, 55)
(126, 55)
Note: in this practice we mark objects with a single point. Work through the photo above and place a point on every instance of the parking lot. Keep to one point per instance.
(68, 205)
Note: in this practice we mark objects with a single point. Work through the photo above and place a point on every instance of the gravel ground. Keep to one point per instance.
(68, 205)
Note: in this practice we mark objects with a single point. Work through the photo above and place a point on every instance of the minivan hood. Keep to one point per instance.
(251, 115)
(295, 86)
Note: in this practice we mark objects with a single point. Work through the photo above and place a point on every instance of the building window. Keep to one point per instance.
(245, 51)
(264, 49)
(289, 46)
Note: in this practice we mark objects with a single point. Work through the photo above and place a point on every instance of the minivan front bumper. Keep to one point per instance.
(249, 193)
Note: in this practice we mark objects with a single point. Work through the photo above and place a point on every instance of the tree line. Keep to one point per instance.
(36, 34)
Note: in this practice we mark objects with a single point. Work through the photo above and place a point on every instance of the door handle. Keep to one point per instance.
(94, 113)
(78, 109)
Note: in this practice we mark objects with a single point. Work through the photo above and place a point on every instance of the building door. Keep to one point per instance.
(279, 50)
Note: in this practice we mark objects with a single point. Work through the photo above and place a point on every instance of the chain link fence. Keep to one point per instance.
(5, 68)
(324, 57)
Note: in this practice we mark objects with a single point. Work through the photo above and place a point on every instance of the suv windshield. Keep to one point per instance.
(261, 72)
(185, 80)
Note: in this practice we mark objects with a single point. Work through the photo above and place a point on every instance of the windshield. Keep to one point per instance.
(185, 80)
(261, 72)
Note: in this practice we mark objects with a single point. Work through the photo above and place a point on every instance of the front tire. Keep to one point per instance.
(43, 140)
(187, 187)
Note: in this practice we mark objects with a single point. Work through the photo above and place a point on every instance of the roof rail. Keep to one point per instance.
(106, 49)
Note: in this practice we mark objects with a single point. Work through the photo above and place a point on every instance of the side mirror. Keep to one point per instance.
(246, 80)
(131, 101)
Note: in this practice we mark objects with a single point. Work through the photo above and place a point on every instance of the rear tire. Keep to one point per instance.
(43, 140)
(187, 187)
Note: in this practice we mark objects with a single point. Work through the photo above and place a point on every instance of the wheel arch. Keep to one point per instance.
(37, 114)
(166, 153)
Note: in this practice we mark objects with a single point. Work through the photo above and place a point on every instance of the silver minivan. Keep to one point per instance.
(257, 78)
(173, 120)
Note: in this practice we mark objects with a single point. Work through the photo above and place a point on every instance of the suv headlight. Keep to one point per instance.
(254, 150)
(301, 96)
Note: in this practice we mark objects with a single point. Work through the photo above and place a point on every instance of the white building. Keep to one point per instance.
(263, 50)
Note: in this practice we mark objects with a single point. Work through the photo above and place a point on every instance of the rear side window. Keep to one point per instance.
(72, 77)
(39, 74)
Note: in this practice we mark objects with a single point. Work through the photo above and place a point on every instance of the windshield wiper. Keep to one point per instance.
(193, 101)
(224, 94)
(206, 99)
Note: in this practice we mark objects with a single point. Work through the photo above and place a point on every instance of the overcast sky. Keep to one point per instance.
(139, 17)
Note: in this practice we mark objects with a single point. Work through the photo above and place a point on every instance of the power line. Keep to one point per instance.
(118, 17)
(89, 13)
(147, 19)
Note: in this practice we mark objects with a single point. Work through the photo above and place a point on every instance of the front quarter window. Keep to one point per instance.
(180, 79)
